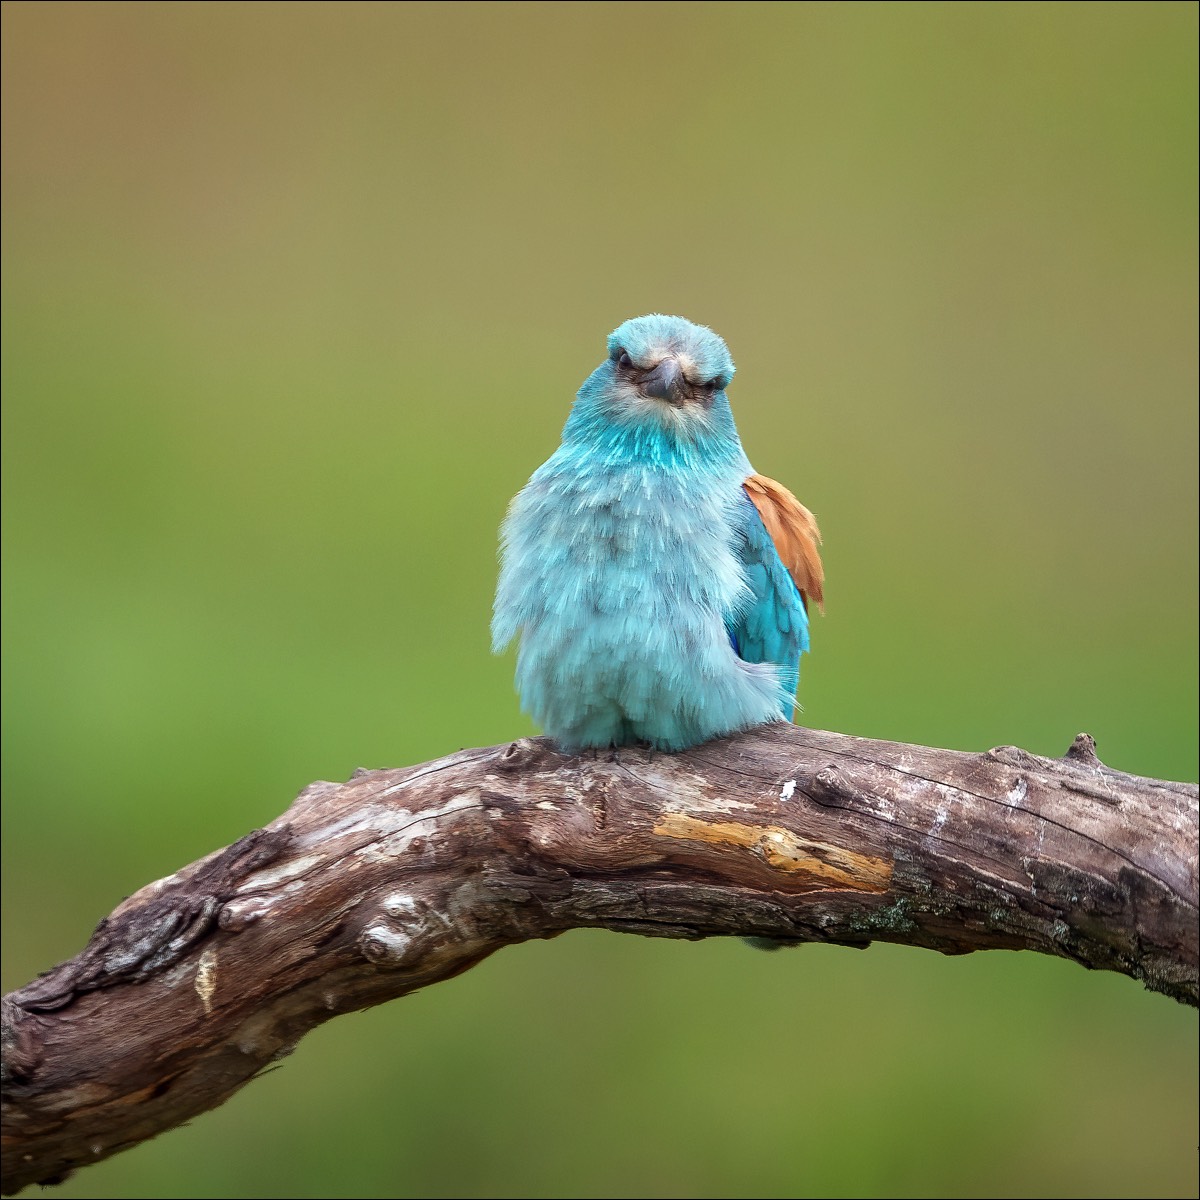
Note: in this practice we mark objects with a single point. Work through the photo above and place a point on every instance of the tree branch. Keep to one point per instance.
(368, 890)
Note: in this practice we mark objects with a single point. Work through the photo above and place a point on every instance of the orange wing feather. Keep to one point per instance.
(794, 531)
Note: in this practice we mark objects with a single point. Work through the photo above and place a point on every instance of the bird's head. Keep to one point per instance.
(662, 374)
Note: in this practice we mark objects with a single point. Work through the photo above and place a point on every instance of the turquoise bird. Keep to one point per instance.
(659, 587)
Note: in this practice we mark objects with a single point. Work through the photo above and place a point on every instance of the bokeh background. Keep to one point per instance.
(295, 298)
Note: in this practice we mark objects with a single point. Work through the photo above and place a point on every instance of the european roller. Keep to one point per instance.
(659, 587)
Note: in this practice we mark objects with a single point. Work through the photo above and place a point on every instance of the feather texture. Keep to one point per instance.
(773, 626)
(638, 570)
(794, 531)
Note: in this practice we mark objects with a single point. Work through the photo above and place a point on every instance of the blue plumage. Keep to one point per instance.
(650, 599)
(773, 628)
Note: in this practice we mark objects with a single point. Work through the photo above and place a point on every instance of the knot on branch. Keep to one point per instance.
(833, 788)
(525, 753)
(1083, 750)
(399, 933)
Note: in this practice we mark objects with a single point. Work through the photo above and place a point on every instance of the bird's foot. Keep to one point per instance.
(638, 746)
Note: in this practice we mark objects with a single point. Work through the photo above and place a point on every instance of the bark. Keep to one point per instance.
(367, 890)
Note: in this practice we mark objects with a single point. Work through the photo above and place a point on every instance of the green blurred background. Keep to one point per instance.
(296, 297)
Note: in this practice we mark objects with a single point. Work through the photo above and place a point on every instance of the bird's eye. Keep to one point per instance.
(623, 360)
(711, 386)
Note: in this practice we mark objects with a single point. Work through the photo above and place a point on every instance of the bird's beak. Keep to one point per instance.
(665, 382)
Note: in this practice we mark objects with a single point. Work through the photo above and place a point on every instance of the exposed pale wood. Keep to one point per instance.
(364, 891)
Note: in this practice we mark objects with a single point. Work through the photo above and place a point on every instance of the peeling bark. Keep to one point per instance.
(368, 890)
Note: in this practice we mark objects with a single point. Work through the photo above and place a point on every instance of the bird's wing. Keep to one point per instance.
(794, 531)
(778, 552)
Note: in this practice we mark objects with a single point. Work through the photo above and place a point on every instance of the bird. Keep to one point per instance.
(658, 586)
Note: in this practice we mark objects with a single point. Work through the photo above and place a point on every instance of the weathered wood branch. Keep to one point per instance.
(367, 890)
